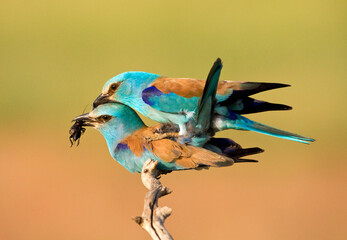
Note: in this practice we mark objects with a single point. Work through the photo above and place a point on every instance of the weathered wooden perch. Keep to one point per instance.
(153, 217)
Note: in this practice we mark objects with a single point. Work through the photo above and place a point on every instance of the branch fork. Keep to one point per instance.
(153, 216)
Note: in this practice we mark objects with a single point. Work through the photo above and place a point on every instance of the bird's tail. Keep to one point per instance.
(268, 130)
(236, 121)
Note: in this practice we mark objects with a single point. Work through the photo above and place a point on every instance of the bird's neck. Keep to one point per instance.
(115, 133)
(130, 92)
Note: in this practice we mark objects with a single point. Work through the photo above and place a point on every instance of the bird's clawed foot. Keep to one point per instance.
(166, 128)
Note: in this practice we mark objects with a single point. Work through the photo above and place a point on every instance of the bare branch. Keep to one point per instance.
(153, 217)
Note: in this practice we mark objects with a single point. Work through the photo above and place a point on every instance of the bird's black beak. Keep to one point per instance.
(85, 120)
(102, 99)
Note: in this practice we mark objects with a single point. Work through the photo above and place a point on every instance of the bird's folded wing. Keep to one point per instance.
(139, 140)
(187, 156)
(170, 151)
(189, 87)
(174, 95)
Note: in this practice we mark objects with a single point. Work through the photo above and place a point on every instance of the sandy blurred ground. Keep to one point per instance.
(51, 191)
(55, 57)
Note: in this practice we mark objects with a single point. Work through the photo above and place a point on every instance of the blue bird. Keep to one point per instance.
(131, 142)
(174, 100)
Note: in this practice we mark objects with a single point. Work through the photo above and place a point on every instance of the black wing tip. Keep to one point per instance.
(286, 107)
(239, 160)
(245, 152)
(254, 150)
(276, 107)
(217, 66)
(265, 86)
(257, 150)
(276, 85)
(218, 62)
(284, 85)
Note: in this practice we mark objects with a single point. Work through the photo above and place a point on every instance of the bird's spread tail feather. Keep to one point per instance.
(236, 121)
(265, 129)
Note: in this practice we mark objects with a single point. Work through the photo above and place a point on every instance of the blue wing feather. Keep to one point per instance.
(170, 103)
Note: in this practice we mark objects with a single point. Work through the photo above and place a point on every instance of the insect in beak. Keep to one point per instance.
(78, 129)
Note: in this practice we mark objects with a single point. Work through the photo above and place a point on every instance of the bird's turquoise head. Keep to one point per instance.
(114, 120)
(124, 88)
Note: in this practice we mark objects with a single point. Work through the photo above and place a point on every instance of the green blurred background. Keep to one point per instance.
(54, 59)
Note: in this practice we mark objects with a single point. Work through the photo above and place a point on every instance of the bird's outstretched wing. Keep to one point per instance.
(205, 110)
(199, 128)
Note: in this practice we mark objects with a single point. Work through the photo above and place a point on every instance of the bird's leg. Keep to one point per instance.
(183, 130)
(166, 128)
(162, 136)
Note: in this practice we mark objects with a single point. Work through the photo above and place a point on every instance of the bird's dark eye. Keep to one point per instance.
(114, 86)
(104, 118)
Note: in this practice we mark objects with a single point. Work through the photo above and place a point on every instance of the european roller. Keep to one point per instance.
(173, 100)
(131, 142)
